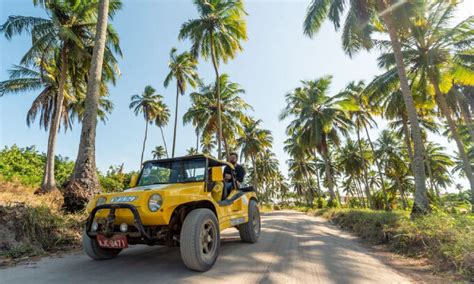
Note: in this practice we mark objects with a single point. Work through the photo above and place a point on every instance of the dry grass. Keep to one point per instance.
(34, 224)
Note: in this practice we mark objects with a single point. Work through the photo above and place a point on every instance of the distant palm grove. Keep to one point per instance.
(426, 86)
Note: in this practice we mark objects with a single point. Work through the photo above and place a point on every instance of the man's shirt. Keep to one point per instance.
(239, 172)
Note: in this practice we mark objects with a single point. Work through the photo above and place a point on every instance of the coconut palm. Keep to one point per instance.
(254, 141)
(146, 104)
(159, 152)
(183, 68)
(362, 19)
(216, 34)
(64, 37)
(84, 182)
(362, 118)
(320, 118)
(161, 119)
(204, 117)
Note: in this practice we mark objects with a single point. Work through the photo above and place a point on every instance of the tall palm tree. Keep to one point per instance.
(320, 118)
(67, 31)
(183, 68)
(159, 152)
(84, 183)
(253, 142)
(362, 19)
(146, 104)
(362, 118)
(217, 34)
(203, 115)
(161, 118)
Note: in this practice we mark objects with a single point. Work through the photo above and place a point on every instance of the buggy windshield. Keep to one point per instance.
(174, 171)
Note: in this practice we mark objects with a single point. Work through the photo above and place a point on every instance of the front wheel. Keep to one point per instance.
(250, 231)
(94, 251)
(200, 240)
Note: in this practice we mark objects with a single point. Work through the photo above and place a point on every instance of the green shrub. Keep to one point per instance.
(26, 165)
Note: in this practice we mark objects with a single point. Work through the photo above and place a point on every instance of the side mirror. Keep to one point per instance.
(216, 174)
(133, 180)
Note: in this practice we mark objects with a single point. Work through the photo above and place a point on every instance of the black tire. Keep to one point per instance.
(200, 240)
(93, 250)
(250, 231)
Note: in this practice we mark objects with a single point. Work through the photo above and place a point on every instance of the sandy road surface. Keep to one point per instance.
(293, 248)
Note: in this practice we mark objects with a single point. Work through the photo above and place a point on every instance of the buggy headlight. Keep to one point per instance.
(154, 202)
(101, 200)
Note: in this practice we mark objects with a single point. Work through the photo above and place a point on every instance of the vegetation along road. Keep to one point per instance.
(294, 248)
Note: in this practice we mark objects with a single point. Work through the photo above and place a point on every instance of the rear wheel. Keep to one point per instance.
(94, 251)
(200, 240)
(250, 231)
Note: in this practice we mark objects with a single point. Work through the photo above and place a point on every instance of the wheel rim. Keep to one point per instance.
(208, 239)
(256, 221)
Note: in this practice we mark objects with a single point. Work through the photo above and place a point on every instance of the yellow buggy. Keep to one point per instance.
(173, 202)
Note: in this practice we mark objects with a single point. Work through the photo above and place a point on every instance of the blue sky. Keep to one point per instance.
(275, 58)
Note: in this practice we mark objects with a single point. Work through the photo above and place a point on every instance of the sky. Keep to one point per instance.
(276, 57)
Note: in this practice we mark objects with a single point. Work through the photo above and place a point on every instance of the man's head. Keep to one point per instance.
(233, 158)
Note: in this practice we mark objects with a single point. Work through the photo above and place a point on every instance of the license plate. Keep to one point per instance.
(115, 242)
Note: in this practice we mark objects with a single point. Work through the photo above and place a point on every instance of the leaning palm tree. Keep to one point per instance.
(146, 104)
(254, 141)
(84, 182)
(320, 118)
(363, 18)
(216, 34)
(183, 68)
(63, 37)
(159, 152)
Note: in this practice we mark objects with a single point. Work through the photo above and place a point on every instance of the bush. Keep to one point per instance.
(26, 165)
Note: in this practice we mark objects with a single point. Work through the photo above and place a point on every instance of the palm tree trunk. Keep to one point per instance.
(218, 91)
(359, 192)
(332, 195)
(49, 182)
(84, 183)
(164, 141)
(144, 143)
(379, 170)
(454, 132)
(407, 139)
(465, 112)
(197, 140)
(421, 204)
(364, 168)
(175, 119)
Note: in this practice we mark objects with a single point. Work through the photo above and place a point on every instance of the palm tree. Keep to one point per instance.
(362, 19)
(320, 119)
(183, 68)
(253, 142)
(204, 117)
(159, 152)
(66, 35)
(362, 118)
(84, 183)
(147, 104)
(192, 151)
(217, 34)
(162, 117)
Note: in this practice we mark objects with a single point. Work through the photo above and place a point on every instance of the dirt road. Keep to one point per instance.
(293, 248)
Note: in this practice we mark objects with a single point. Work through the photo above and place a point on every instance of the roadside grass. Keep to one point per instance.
(446, 240)
(34, 225)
